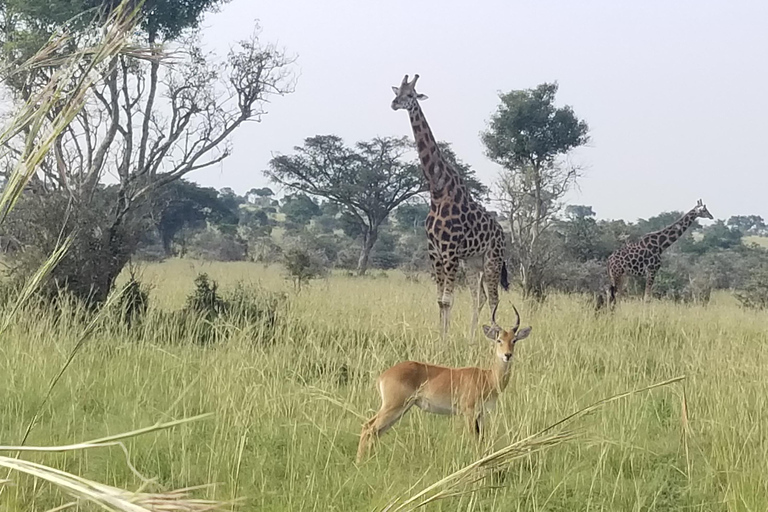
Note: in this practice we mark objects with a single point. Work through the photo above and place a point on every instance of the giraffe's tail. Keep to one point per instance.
(504, 281)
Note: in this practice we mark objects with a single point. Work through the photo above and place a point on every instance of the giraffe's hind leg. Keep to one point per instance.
(493, 264)
(650, 276)
(617, 280)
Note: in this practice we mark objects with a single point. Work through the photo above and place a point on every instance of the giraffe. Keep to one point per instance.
(458, 228)
(643, 258)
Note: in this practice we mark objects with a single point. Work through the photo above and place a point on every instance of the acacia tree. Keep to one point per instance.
(368, 180)
(530, 137)
(144, 126)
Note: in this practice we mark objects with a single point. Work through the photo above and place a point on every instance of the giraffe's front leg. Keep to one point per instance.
(649, 278)
(439, 274)
(450, 267)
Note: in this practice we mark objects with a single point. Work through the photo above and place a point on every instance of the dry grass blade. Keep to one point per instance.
(108, 497)
(34, 282)
(60, 95)
(111, 498)
(481, 468)
(106, 441)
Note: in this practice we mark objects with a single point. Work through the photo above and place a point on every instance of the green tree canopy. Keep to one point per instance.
(368, 180)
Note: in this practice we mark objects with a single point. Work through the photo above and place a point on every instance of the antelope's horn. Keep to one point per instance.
(493, 314)
(517, 322)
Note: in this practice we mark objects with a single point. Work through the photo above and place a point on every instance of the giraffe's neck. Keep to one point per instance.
(436, 171)
(676, 230)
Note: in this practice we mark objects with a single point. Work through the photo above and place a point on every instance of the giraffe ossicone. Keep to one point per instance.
(458, 228)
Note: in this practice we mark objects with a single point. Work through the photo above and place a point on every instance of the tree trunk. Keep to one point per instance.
(369, 239)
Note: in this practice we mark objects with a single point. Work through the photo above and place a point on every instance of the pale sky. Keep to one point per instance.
(675, 92)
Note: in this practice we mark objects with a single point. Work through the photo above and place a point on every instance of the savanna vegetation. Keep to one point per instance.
(290, 388)
(221, 347)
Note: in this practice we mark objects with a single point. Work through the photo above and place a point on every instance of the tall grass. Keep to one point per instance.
(287, 413)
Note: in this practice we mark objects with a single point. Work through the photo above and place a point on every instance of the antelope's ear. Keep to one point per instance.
(421, 97)
(395, 89)
(522, 333)
(491, 332)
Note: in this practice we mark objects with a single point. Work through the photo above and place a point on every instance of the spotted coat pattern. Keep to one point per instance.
(643, 258)
(458, 228)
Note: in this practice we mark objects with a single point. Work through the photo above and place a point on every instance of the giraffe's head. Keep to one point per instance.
(406, 95)
(701, 211)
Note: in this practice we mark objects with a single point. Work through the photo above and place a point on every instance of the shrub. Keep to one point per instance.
(213, 245)
(754, 294)
(134, 301)
(302, 266)
(210, 316)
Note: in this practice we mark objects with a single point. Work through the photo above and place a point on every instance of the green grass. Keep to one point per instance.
(288, 413)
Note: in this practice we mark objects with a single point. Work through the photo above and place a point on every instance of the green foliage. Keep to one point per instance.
(752, 292)
(299, 209)
(301, 266)
(411, 216)
(368, 180)
(205, 299)
(33, 21)
(218, 245)
(582, 236)
(528, 130)
(183, 204)
(748, 224)
(134, 301)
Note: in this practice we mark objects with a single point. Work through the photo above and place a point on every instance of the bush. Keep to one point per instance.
(754, 294)
(590, 277)
(211, 316)
(134, 301)
(205, 299)
(302, 266)
(213, 245)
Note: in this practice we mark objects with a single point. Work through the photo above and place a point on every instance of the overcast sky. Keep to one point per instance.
(675, 92)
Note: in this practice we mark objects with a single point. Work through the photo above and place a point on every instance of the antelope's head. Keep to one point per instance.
(505, 340)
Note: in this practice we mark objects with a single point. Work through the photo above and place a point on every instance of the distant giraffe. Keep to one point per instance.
(643, 258)
(458, 228)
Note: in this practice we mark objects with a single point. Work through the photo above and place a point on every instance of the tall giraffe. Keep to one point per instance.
(458, 228)
(643, 258)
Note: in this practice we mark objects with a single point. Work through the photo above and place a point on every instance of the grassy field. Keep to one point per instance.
(288, 412)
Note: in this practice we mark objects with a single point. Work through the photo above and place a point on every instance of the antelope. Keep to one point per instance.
(469, 391)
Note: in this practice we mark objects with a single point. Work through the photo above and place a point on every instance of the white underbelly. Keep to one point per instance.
(436, 407)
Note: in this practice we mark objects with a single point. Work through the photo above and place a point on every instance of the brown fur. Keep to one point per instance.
(469, 391)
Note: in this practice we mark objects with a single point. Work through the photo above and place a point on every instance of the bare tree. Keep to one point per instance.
(145, 125)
